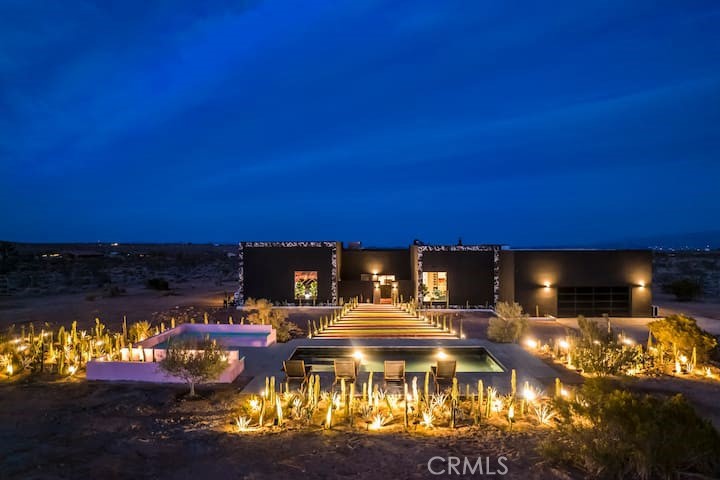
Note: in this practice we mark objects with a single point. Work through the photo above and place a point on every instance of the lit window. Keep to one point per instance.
(434, 286)
(306, 285)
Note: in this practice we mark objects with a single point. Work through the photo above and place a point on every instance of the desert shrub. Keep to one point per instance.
(139, 331)
(261, 312)
(682, 332)
(684, 290)
(611, 433)
(599, 353)
(195, 361)
(509, 325)
(157, 284)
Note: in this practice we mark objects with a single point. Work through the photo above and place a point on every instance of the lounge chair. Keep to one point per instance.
(394, 372)
(345, 369)
(443, 373)
(295, 370)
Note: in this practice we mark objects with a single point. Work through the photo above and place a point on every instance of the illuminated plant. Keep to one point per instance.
(380, 421)
(194, 361)
(428, 418)
(544, 413)
(243, 423)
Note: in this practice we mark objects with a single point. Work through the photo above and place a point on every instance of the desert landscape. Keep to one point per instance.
(54, 427)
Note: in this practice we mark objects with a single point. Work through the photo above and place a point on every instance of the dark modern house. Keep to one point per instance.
(545, 282)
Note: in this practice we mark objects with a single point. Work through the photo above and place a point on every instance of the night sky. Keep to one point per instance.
(538, 123)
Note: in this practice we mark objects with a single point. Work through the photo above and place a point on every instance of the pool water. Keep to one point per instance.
(227, 340)
(417, 359)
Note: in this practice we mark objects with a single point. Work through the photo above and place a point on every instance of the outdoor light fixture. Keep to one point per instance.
(377, 285)
(641, 284)
(564, 344)
(546, 284)
(357, 355)
(531, 343)
(441, 355)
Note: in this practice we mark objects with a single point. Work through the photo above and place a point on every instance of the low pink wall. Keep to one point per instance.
(150, 372)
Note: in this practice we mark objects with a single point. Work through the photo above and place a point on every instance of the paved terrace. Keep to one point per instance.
(265, 362)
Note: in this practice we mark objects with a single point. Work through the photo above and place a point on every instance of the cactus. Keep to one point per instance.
(272, 390)
(317, 389)
(278, 407)
(513, 383)
(478, 408)
(125, 330)
(261, 417)
(405, 410)
(328, 416)
(343, 398)
(205, 318)
(488, 404)
(364, 392)
(351, 403)
(558, 388)
(172, 322)
(370, 387)
(426, 398)
(310, 389)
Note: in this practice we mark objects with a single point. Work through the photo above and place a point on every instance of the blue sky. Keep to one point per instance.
(514, 122)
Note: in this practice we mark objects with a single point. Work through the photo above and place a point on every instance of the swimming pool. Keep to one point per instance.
(417, 359)
(226, 340)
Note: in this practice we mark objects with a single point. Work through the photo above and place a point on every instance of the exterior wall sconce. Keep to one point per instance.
(377, 285)
(546, 285)
(641, 284)
(395, 285)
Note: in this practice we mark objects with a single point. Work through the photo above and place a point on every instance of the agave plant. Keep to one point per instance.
(242, 423)
(438, 401)
(428, 418)
(379, 421)
(393, 400)
(544, 413)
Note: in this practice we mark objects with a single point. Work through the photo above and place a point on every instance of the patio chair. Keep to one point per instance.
(345, 369)
(295, 370)
(394, 372)
(443, 373)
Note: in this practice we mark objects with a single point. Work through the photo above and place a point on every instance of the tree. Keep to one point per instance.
(683, 333)
(684, 290)
(509, 325)
(195, 361)
(263, 313)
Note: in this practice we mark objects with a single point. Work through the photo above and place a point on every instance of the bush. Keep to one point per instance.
(157, 284)
(195, 361)
(684, 290)
(509, 325)
(261, 312)
(617, 434)
(599, 353)
(681, 332)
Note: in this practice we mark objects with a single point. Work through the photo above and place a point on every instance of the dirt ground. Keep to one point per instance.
(79, 429)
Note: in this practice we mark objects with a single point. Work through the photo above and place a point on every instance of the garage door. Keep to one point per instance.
(593, 301)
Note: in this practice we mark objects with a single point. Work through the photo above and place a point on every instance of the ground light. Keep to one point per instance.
(441, 355)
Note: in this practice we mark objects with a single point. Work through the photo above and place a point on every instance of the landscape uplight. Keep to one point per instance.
(358, 355)
(441, 355)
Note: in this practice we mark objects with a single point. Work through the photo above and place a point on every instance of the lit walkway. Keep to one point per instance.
(375, 321)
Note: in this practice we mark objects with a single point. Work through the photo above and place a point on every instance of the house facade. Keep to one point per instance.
(561, 283)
